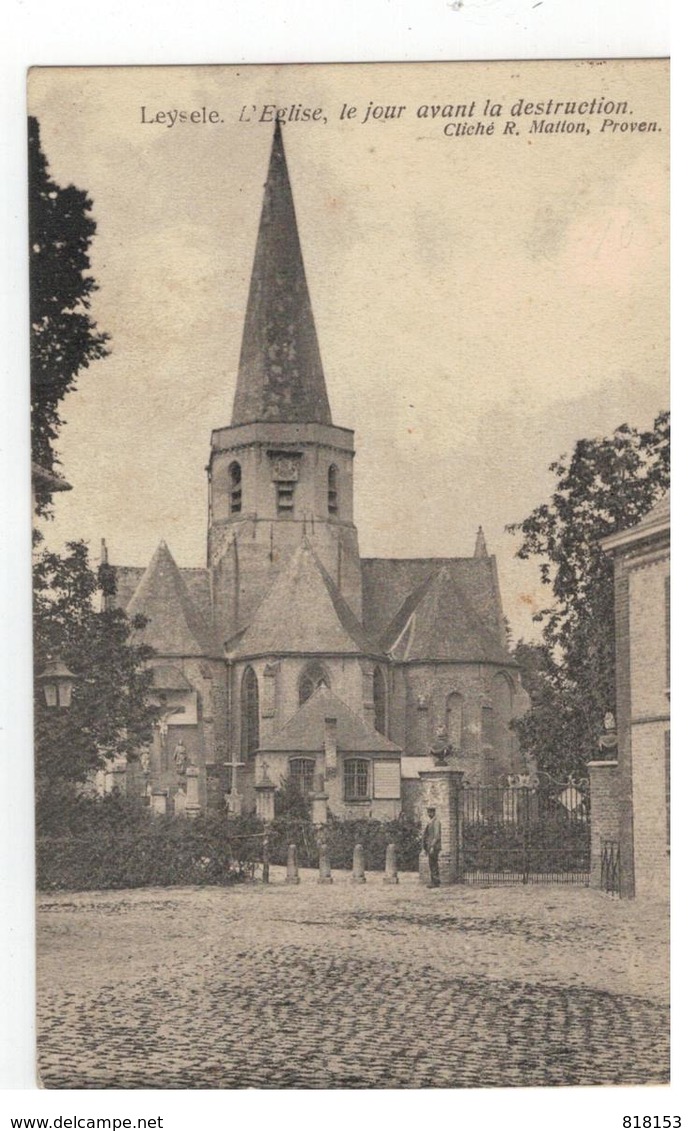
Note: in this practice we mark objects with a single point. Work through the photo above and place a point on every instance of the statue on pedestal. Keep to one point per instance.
(609, 740)
(180, 757)
(441, 749)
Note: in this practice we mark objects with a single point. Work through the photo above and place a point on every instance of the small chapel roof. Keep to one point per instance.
(305, 731)
(175, 625)
(280, 377)
(304, 612)
(196, 579)
(436, 622)
(389, 584)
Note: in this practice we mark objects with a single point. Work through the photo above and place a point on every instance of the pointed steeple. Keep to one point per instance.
(280, 376)
(175, 626)
(480, 544)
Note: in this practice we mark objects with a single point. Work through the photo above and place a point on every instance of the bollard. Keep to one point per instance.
(292, 876)
(358, 876)
(265, 860)
(325, 876)
(391, 871)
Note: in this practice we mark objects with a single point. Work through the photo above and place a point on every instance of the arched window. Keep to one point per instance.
(312, 677)
(356, 779)
(502, 696)
(235, 472)
(379, 697)
(249, 708)
(454, 720)
(505, 740)
(333, 489)
(302, 774)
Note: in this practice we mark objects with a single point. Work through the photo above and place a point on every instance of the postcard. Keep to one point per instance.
(350, 442)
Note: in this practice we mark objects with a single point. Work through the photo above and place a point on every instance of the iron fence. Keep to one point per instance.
(610, 867)
(524, 834)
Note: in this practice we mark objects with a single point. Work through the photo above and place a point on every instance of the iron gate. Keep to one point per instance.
(610, 867)
(524, 834)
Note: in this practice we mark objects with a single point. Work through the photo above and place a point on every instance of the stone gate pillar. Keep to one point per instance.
(441, 788)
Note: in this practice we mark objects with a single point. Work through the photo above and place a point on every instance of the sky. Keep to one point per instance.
(482, 301)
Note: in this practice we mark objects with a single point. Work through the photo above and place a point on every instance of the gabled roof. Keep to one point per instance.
(305, 731)
(196, 582)
(304, 612)
(176, 627)
(654, 524)
(659, 513)
(392, 587)
(280, 376)
(49, 479)
(437, 623)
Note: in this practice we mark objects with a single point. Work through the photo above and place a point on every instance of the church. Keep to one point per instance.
(289, 657)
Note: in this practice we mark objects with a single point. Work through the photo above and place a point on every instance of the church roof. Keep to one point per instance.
(280, 376)
(304, 612)
(176, 627)
(168, 678)
(437, 623)
(196, 582)
(392, 588)
(305, 731)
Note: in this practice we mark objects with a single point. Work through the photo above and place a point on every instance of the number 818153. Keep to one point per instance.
(635, 1121)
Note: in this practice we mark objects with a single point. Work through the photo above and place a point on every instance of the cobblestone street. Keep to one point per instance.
(350, 986)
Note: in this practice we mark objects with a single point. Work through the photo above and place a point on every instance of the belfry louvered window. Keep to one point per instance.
(285, 499)
(235, 472)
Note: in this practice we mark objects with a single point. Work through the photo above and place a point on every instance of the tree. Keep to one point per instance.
(608, 485)
(64, 338)
(111, 713)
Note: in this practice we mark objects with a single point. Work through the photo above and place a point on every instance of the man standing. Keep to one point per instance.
(431, 842)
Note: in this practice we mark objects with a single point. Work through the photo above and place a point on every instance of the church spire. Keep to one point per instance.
(480, 544)
(281, 376)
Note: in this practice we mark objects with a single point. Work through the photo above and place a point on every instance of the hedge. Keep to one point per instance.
(114, 844)
(117, 843)
(341, 836)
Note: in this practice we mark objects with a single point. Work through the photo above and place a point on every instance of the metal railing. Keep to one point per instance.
(524, 834)
(610, 867)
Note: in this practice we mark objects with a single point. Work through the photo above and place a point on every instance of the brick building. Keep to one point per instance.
(289, 655)
(636, 799)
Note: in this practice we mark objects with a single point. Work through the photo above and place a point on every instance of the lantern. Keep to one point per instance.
(57, 681)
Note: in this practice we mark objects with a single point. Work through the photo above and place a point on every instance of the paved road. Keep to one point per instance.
(349, 986)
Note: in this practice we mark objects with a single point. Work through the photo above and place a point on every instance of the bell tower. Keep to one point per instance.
(281, 470)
